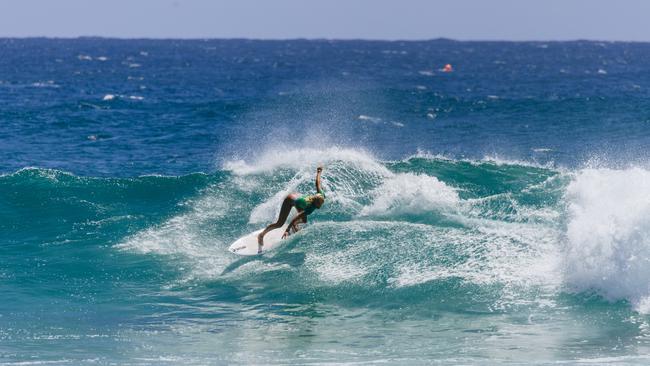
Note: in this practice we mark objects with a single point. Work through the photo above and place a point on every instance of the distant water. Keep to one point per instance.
(499, 213)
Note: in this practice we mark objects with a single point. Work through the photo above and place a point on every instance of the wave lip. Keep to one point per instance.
(608, 234)
(302, 159)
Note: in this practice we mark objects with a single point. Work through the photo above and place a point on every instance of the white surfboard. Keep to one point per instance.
(247, 244)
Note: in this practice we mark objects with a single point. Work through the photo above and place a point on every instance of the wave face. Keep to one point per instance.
(387, 227)
(463, 244)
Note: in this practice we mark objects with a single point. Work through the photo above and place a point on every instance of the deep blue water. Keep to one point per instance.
(495, 214)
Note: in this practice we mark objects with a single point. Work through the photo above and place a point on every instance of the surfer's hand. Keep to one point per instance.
(284, 236)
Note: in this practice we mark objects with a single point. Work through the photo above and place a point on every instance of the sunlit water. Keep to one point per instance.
(495, 214)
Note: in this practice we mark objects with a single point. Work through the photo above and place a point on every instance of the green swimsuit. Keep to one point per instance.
(305, 203)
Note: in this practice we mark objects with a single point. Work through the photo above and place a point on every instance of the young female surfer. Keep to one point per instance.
(305, 206)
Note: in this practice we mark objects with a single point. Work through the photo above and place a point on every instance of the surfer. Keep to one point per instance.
(304, 204)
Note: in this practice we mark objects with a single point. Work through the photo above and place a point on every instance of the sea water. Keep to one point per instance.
(499, 213)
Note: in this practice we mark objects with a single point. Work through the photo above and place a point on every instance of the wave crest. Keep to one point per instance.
(303, 159)
(608, 234)
(410, 193)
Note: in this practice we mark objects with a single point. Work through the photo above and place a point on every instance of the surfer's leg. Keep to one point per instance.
(287, 204)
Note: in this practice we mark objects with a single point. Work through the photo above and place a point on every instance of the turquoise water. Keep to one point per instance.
(506, 223)
(413, 261)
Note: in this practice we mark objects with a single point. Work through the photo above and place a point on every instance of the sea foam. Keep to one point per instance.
(608, 234)
(411, 193)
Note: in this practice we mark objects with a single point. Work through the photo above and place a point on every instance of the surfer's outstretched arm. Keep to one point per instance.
(294, 223)
(318, 186)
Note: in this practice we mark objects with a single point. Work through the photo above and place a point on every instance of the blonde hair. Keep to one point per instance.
(318, 197)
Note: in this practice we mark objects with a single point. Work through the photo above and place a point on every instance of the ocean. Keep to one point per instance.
(495, 214)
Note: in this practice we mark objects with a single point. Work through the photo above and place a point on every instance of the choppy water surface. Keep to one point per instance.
(495, 214)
